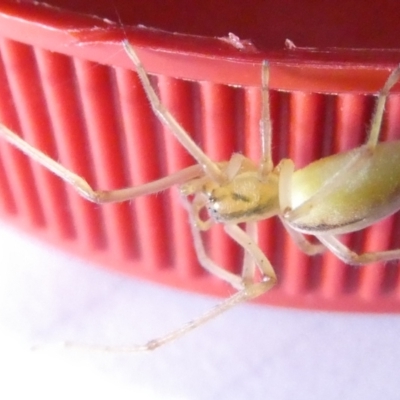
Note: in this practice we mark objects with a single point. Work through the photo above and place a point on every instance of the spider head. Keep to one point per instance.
(246, 197)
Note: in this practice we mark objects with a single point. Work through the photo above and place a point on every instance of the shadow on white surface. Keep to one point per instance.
(252, 352)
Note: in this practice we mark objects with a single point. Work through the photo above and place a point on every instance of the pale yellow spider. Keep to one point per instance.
(341, 193)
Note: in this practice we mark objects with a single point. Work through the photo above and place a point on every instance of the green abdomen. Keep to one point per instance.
(361, 194)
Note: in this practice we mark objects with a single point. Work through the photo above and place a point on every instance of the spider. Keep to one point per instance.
(337, 194)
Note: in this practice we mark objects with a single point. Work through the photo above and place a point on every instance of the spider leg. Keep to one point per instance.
(285, 185)
(350, 257)
(250, 290)
(84, 189)
(206, 262)
(302, 242)
(266, 164)
(250, 246)
(377, 117)
(237, 298)
(210, 167)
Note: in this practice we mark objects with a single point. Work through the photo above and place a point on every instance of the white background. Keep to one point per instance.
(252, 352)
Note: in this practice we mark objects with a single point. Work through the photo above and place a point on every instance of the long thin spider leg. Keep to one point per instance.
(207, 263)
(250, 291)
(285, 185)
(239, 297)
(234, 165)
(250, 246)
(210, 168)
(249, 264)
(266, 164)
(377, 117)
(304, 245)
(352, 258)
(84, 189)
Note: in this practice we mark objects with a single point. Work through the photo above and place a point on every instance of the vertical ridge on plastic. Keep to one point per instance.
(8, 200)
(63, 102)
(176, 96)
(19, 171)
(102, 126)
(27, 94)
(372, 275)
(139, 123)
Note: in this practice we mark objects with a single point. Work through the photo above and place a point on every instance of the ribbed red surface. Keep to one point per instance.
(97, 122)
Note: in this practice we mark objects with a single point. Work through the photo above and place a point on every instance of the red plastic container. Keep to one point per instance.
(68, 88)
